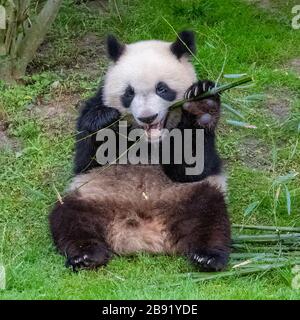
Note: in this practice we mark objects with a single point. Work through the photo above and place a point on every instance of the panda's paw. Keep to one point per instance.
(209, 260)
(87, 255)
(206, 112)
(199, 88)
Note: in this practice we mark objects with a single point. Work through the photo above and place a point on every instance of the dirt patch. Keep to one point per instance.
(295, 65)
(279, 106)
(91, 55)
(81, 54)
(84, 55)
(57, 115)
(96, 5)
(263, 4)
(6, 141)
(255, 153)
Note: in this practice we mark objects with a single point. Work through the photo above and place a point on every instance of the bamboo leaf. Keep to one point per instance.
(252, 206)
(285, 178)
(234, 76)
(247, 86)
(232, 110)
(288, 199)
(255, 97)
(210, 45)
(241, 124)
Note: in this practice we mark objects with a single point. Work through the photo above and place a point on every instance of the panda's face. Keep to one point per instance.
(145, 79)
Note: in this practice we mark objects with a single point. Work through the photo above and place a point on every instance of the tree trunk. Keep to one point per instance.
(21, 39)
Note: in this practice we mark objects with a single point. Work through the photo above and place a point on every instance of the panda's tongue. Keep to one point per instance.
(154, 130)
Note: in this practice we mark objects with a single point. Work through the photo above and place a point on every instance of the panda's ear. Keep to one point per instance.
(114, 48)
(184, 44)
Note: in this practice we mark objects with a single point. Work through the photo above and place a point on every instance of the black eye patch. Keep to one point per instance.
(165, 92)
(127, 97)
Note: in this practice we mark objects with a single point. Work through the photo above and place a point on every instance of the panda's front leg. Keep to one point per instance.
(94, 117)
(204, 113)
(197, 115)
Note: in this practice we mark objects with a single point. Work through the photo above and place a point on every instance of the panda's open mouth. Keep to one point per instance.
(155, 131)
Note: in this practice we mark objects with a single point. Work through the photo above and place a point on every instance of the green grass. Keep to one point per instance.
(255, 41)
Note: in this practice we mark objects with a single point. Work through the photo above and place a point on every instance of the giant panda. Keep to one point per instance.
(132, 208)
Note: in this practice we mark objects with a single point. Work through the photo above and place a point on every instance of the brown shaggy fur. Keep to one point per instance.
(129, 208)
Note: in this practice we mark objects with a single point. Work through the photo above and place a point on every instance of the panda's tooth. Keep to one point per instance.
(203, 86)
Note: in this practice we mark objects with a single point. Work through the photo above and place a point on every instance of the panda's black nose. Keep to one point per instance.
(148, 120)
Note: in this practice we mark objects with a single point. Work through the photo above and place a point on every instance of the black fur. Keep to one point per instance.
(212, 161)
(114, 48)
(127, 97)
(184, 44)
(165, 92)
(74, 226)
(94, 116)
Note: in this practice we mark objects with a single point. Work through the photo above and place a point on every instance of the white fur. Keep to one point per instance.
(218, 181)
(142, 65)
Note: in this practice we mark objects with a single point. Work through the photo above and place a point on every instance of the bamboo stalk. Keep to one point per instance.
(266, 237)
(267, 228)
(270, 248)
(212, 92)
(256, 258)
(198, 277)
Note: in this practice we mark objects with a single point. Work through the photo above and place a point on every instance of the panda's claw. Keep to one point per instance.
(88, 256)
(209, 260)
(198, 88)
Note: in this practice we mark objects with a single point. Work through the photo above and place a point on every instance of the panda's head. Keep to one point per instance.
(145, 78)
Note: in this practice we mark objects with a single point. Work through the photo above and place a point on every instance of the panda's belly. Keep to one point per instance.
(135, 183)
(138, 200)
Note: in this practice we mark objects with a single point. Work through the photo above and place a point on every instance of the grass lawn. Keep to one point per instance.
(37, 123)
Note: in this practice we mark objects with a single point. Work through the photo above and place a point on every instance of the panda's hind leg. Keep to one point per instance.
(77, 227)
(200, 228)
